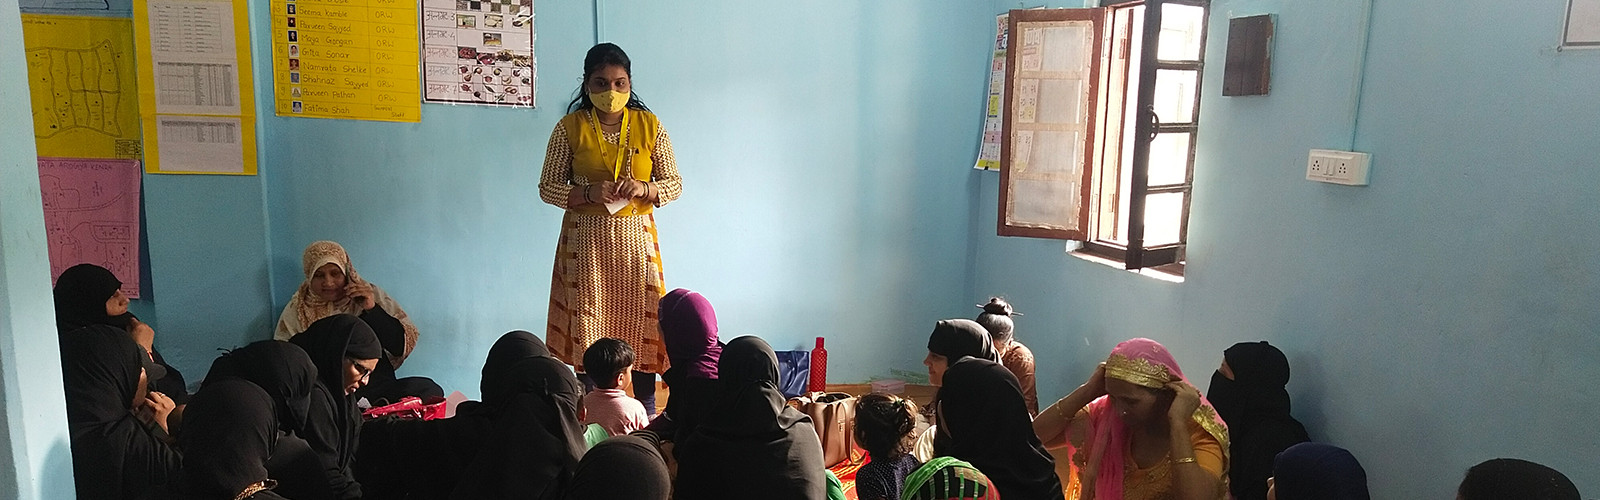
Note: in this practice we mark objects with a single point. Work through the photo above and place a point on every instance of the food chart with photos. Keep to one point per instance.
(478, 52)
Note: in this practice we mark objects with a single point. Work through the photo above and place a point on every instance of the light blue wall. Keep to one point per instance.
(35, 456)
(822, 148)
(1437, 318)
(206, 249)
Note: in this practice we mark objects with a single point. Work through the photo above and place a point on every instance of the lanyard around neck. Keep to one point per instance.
(622, 143)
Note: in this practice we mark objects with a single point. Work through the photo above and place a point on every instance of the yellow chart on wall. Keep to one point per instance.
(350, 59)
(81, 74)
(196, 94)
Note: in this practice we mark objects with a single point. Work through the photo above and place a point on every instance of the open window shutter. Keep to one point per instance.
(1053, 63)
(1169, 187)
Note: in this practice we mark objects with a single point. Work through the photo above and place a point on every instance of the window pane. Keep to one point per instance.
(1163, 217)
(1061, 101)
(1175, 95)
(1169, 158)
(1066, 48)
(1181, 26)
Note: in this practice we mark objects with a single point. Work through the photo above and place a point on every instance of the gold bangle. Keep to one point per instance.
(1185, 460)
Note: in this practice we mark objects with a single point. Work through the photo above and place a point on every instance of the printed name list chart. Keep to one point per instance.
(350, 59)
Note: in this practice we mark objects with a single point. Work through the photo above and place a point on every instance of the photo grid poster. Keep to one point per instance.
(478, 52)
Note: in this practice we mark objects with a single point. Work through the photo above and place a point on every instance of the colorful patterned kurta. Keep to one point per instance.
(607, 276)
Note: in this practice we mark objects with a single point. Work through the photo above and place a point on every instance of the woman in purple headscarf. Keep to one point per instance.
(689, 331)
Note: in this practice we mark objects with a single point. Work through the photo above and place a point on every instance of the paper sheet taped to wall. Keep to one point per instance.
(91, 216)
(989, 146)
(82, 77)
(196, 97)
(1583, 24)
(479, 52)
(346, 59)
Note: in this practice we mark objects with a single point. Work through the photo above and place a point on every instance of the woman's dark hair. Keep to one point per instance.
(885, 424)
(996, 318)
(600, 56)
(1510, 478)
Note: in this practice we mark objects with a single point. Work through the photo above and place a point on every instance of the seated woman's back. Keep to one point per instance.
(524, 436)
(753, 441)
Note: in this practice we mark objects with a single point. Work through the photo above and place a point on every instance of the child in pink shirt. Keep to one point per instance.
(609, 362)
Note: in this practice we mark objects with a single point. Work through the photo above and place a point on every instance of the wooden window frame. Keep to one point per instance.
(1016, 17)
(1104, 160)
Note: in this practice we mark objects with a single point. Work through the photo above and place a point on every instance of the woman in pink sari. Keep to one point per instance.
(1137, 430)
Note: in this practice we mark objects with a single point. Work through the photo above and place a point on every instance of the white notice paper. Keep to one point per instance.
(614, 206)
(196, 62)
(210, 144)
(1583, 24)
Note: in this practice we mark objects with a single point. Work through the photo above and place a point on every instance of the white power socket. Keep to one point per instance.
(1338, 167)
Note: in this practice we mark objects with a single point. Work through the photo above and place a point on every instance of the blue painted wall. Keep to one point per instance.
(35, 455)
(1437, 318)
(822, 149)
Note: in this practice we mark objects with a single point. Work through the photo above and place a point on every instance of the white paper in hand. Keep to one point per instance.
(614, 206)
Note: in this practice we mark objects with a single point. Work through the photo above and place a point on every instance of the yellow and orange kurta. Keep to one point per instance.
(608, 275)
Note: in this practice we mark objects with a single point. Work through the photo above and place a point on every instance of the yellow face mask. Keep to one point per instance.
(609, 101)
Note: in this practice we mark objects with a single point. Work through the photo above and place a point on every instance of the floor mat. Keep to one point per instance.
(846, 471)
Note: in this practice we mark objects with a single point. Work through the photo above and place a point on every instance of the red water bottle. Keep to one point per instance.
(819, 368)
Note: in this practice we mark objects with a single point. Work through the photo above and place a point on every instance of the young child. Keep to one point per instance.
(885, 426)
(610, 362)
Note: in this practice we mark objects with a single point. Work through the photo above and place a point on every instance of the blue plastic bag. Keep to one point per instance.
(794, 372)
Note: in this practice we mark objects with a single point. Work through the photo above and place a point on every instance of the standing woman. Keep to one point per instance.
(609, 164)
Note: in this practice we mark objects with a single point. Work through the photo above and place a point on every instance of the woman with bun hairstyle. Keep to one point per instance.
(996, 318)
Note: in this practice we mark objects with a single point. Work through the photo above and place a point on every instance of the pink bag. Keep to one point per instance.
(409, 408)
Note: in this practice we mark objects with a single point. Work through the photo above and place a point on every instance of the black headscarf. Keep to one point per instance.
(386, 463)
(114, 454)
(333, 429)
(1316, 471)
(534, 439)
(983, 419)
(955, 338)
(621, 468)
(80, 296)
(1510, 478)
(753, 441)
(1255, 405)
(231, 427)
(281, 369)
(81, 293)
(514, 346)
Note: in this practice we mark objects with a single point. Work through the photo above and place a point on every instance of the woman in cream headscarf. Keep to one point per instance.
(333, 287)
(1138, 430)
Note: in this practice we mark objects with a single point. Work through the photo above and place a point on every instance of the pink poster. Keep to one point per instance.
(91, 215)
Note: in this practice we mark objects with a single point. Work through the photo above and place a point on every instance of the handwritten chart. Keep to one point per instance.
(91, 215)
(82, 80)
(349, 59)
(478, 52)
